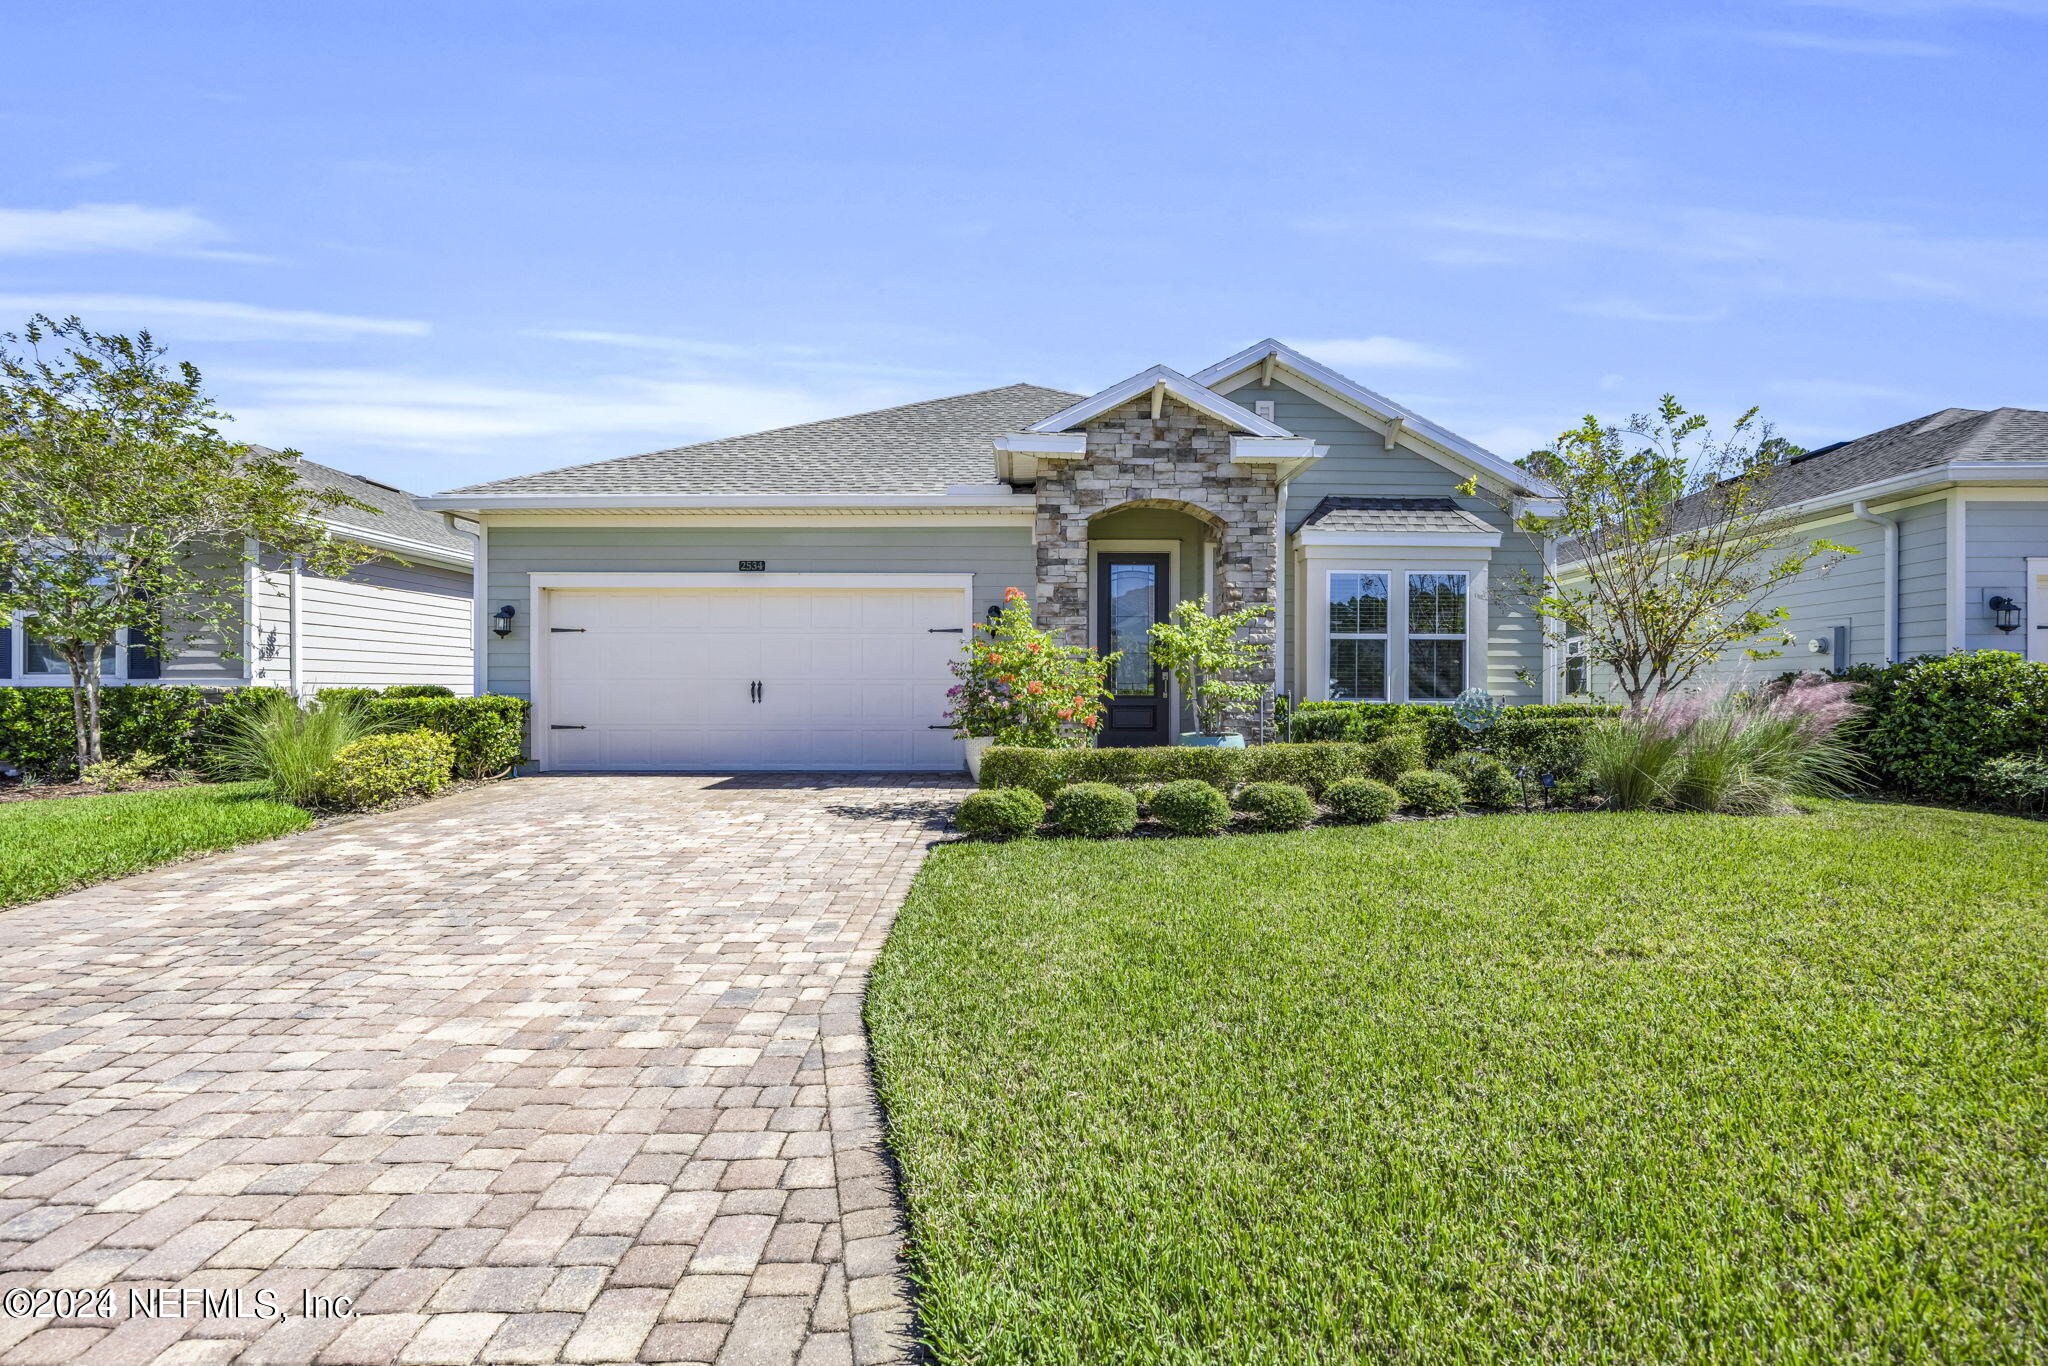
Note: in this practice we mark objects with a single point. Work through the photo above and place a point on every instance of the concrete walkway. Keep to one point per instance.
(567, 1069)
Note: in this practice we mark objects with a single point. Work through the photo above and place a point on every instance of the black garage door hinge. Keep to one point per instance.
(568, 727)
(566, 630)
(945, 630)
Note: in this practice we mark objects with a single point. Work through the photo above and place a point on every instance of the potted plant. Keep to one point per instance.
(1203, 653)
(1019, 685)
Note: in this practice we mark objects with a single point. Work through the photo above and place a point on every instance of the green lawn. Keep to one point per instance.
(48, 847)
(1602, 1088)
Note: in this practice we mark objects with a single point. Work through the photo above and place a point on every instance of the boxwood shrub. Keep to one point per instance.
(1000, 813)
(1358, 801)
(485, 732)
(384, 768)
(1426, 792)
(1188, 807)
(1486, 780)
(1093, 811)
(1515, 730)
(1397, 752)
(1276, 806)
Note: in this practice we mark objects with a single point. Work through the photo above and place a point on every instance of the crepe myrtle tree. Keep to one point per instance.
(123, 508)
(1679, 545)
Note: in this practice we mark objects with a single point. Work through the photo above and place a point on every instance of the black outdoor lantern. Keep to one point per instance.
(2005, 613)
(502, 620)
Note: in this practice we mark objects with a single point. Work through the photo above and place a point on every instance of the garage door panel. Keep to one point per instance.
(663, 678)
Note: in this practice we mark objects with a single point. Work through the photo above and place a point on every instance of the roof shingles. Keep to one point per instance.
(919, 448)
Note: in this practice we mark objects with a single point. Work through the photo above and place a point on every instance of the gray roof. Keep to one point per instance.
(1393, 514)
(396, 514)
(1949, 436)
(917, 448)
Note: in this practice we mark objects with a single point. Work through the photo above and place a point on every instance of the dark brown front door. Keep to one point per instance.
(1131, 593)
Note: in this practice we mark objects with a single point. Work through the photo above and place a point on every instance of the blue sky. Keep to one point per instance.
(444, 242)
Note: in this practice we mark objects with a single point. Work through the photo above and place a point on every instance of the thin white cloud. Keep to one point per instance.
(1381, 352)
(1846, 45)
(1628, 310)
(1741, 251)
(103, 228)
(85, 170)
(208, 319)
(1842, 391)
(677, 346)
(314, 407)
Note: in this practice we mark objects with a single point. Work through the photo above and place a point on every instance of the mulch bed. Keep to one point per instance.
(16, 792)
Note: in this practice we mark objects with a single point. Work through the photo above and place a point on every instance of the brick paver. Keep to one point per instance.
(568, 1069)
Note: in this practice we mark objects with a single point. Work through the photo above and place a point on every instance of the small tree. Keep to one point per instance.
(1204, 654)
(1678, 546)
(123, 509)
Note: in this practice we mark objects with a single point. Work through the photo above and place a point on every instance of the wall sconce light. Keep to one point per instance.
(2005, 613)
(502, 620)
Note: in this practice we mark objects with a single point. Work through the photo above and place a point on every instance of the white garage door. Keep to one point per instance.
(750, 678)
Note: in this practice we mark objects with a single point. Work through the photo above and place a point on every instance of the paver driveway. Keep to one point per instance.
(563, 1069)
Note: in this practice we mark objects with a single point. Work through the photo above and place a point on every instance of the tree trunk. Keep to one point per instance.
(85, 701)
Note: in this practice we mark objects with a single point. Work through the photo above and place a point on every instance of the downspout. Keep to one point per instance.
(1280, 589)
(479, 600)
(297, 669)
(1862, 512)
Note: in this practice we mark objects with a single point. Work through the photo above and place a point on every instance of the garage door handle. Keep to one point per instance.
(568, 728)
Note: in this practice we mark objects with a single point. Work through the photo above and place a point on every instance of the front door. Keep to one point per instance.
(1131, 593)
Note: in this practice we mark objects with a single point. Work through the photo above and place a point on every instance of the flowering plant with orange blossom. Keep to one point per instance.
(1021, 686)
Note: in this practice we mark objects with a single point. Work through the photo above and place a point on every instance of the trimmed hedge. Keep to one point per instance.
(1397, 752)
(485, 732)
(1045, 771)
(1360, 801)
(384, 768)
(1189, 807)
(1002, 813)
(1275, 806)
(1429, 793)
(1486, 780)
(1520, 735)
(183, 722)
(1093, 811)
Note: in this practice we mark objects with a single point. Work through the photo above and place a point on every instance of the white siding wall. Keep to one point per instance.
(381, 623)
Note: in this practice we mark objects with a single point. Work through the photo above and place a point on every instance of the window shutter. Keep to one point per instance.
(143, 659)
(6, 651)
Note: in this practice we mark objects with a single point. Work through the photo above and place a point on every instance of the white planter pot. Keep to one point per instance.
(977, 745)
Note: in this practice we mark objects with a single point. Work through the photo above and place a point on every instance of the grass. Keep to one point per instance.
(1610, 1088)
(53, 846)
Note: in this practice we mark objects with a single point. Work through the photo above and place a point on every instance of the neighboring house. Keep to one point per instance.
(791, 599)
(402, 616)
(1949, 514)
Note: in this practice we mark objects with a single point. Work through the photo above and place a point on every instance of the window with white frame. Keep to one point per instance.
(1437, 618)
(1575, 666)
(1359, 637)
(41, 658)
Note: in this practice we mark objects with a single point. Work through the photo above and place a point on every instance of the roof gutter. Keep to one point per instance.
(597, 502)
(401, 545)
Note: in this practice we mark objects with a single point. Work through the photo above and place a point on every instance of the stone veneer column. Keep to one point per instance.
(1182, 458)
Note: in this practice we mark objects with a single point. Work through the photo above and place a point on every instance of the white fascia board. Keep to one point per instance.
(1261, 449)
(723, 579)
(1178, 386)
(598, 502)
(1376, 404)
(1045, 445)
(1472, 540)
(399, 545)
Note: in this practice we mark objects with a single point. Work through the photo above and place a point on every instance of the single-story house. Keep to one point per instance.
(1948, 514)
(791, 599)
(402, 616)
